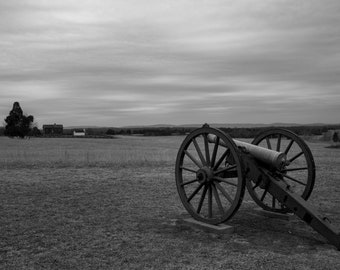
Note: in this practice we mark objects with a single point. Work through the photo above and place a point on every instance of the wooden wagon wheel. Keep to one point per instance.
(209, 177)
(299, 171)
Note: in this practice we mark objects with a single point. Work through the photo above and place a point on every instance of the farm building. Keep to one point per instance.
(79, 132)
(53, 130)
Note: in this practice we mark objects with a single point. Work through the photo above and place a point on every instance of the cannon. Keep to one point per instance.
(277, 168)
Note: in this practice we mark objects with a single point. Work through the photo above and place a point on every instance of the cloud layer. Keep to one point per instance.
(146, 62)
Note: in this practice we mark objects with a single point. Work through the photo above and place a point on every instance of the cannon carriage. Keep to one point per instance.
(277, 168)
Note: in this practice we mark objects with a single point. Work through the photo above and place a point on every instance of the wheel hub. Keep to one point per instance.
(204, 174)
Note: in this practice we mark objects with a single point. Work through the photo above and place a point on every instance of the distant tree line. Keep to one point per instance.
(299, 130)
(171, 131)
(159, 131)
(233, 132)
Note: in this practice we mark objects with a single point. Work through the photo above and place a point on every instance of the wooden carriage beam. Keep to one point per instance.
(301, 208)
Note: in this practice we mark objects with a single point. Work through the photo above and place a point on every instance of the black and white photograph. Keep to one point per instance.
(170, 134)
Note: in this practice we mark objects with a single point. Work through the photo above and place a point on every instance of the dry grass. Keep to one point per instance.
(93, 213)
(83, 152)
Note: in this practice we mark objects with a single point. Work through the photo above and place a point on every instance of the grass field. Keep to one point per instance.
(113, 204)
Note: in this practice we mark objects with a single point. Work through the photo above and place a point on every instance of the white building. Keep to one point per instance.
(79, 132)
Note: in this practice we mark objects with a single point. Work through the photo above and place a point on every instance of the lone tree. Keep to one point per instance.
(18, 124)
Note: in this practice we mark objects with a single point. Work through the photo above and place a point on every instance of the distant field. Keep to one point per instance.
(82, 152)
(112, 204)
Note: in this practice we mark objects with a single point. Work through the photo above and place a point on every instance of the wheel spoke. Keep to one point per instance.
(256, 185)
(206, 145)
(264, 195)
(189, 182)
(210, 202)
(295, 157)
(278, 145)
(224, 192)
(273, 202)
(193, 159)
(202, 199)
(289, 146)
(221, 159)
(293, 179)
(224, 181)
(295, 169)
(268, 143)
(225, 169)
(195, 192)
(199, 151)
(218, 200)
(188, 169)
(213, 158)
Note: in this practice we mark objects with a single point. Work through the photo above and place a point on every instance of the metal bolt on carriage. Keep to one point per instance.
(277, 168)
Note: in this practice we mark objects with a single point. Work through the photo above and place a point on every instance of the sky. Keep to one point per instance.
(144, 62)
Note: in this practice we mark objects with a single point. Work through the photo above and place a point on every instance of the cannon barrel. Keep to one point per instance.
(270, 157)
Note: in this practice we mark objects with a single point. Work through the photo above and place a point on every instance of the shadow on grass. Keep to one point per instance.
(252, 231)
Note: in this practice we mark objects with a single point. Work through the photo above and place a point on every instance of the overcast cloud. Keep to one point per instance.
(117, 63)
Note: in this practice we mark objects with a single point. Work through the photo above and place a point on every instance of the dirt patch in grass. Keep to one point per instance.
(124, 218)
